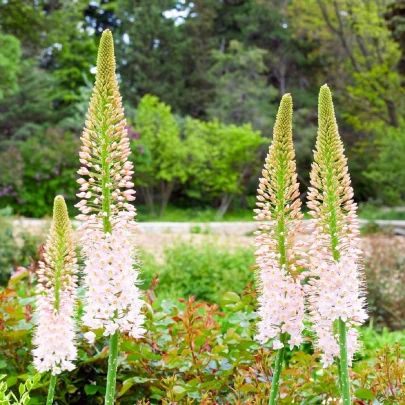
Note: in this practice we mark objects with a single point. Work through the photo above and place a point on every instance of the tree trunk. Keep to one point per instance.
(149, 200)
(166, 189)
(392, 112)
(225, 203)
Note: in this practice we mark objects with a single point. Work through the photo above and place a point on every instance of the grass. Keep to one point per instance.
(373, 212)
(207, 214)
(197, 214)
(173, 213)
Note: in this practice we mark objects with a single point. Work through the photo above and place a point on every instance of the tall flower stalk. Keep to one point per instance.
(335, 290)
(113, 301)
(56, 292)
(281, 301)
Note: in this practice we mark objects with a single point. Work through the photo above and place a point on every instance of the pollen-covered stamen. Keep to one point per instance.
(54, 336)
(278, 257)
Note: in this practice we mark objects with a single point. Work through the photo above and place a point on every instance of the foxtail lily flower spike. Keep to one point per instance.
(281, 300)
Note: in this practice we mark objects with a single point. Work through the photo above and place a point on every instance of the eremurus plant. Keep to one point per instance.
(113, 301)
(54, 337)
(281, 300)
(335, 292)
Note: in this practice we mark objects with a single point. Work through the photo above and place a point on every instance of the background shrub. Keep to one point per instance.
(17, 248)
(205, 271)
(384, 263)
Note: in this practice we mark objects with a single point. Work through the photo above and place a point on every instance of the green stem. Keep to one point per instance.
(51, 389)
(277, 371)
(107, 227)
(340, 374)
(344, 380)
(344, 368)
(112, 370)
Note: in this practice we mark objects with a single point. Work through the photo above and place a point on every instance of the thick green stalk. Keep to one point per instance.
(277, 371)
(106, 81)
(344, 367)
(281, 162)
(113, 353)
(112, 370)
(331, 128)
(51, 389)
(282, 250)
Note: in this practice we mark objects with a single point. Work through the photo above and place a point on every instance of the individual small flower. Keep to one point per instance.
(113, 300)
(335, 290)
(56, 292)
(281, 300)
(90, 337)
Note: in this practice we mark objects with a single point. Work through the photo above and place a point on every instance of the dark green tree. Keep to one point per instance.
(10, 54)
(150, 51)
(31, 107)
(241, 91)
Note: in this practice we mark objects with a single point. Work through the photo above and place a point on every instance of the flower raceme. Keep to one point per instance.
(281, 301)
(113, 300)
(335, 290)
(56, 292)
(106, 188)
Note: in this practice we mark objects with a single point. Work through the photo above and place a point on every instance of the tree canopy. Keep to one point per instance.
(201, 81)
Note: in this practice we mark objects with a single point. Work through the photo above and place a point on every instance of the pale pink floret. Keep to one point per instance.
(113, 300)
(281, 306)
(335, 291)
(55, 335)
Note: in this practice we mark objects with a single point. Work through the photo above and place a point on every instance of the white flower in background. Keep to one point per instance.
(54, 338)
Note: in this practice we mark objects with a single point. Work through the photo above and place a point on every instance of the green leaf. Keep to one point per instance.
(11, 381)
(90, 389)
(26, 301)
(127, 384)
(364, 393)
(248, 388)
(230, 297)
(178, 389)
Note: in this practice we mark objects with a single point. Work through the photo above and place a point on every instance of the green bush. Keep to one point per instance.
(16, 248)
(385, 275)
(387, 171)
(205, 272)
(34, 171)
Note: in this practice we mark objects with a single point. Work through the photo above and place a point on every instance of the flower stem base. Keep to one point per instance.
(51, 390)
(112, 370)
(277, 371)
(344, 368)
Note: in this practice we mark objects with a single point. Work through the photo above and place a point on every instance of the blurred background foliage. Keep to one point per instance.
(201, 81)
